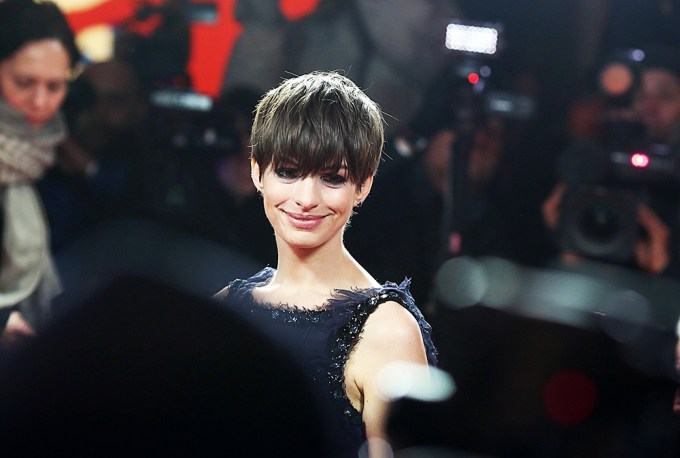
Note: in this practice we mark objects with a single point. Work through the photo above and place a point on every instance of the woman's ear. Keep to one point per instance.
(363, 190)
(255, 174)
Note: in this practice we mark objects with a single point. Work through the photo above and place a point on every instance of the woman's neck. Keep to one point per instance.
(322, 270)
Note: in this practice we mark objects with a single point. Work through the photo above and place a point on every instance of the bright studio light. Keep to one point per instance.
(471, 38)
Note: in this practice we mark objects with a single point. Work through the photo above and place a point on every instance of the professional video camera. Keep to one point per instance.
(464, 98)
(467, 84)
(598, 214)
(465, 92)
(606, 182)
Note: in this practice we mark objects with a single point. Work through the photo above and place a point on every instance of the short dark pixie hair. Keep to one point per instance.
(26, 21)
(318, 121)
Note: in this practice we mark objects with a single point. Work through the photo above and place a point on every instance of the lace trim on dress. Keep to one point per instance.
(283, 311)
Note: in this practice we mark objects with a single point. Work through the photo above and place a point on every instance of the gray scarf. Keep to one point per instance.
(25, 152)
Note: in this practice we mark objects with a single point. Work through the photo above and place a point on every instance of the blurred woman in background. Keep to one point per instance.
(37, 57)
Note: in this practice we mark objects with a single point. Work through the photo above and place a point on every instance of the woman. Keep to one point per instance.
(37, 56)
(316, 144)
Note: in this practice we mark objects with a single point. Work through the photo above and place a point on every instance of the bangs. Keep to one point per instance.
(315, 144)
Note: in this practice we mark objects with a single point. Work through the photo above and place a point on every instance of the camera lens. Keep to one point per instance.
(600, 222)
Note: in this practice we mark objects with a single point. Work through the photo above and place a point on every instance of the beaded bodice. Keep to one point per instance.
(322, 339)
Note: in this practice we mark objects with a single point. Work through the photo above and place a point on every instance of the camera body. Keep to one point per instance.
(605, 186)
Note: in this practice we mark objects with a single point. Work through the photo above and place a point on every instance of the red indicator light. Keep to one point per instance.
(473, 78)
(639, 160)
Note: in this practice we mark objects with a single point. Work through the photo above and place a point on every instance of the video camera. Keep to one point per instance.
(598, 214)
(474, 45)
(463, 99)
(607, 182)
(464, 94)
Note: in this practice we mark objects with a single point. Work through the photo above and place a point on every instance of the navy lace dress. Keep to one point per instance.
(323, 339)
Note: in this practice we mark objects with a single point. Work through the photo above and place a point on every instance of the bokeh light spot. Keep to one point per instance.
(461, 282)
(415, 381)
(624, 315)
(570, 397)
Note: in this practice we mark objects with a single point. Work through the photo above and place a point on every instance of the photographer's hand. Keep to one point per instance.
(550, 210)
(652, 253)
(551, 206)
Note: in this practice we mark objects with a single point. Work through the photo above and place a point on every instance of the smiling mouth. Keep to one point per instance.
(301, 221)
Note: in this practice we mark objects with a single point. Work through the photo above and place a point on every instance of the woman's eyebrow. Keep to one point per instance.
(334, 169)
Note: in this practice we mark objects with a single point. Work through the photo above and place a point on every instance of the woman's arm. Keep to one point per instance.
(391, 334)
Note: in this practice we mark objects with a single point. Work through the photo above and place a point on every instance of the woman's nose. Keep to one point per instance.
(39, 98)
(307, 193)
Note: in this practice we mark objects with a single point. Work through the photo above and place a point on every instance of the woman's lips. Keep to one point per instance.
(305, 222)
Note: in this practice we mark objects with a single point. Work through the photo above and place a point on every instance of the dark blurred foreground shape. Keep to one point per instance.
(143, 368)
(538, 378)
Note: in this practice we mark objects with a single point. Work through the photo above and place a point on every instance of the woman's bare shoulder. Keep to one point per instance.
(391, 323)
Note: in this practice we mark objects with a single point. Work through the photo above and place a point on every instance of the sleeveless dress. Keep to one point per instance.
(322, 340)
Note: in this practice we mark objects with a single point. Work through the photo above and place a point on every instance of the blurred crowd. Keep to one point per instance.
(153, 178)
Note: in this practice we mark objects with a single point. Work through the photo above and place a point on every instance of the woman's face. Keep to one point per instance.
(308, 212)
(34, 80)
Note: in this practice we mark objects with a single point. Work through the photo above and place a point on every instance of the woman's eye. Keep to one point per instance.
(287, 173)
(22, 83)
(56, 86)
(334, 179)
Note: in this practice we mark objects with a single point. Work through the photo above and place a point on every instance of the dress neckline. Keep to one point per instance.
(336, 296)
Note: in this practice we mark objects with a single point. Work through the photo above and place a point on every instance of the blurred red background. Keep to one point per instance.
(211, 43)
